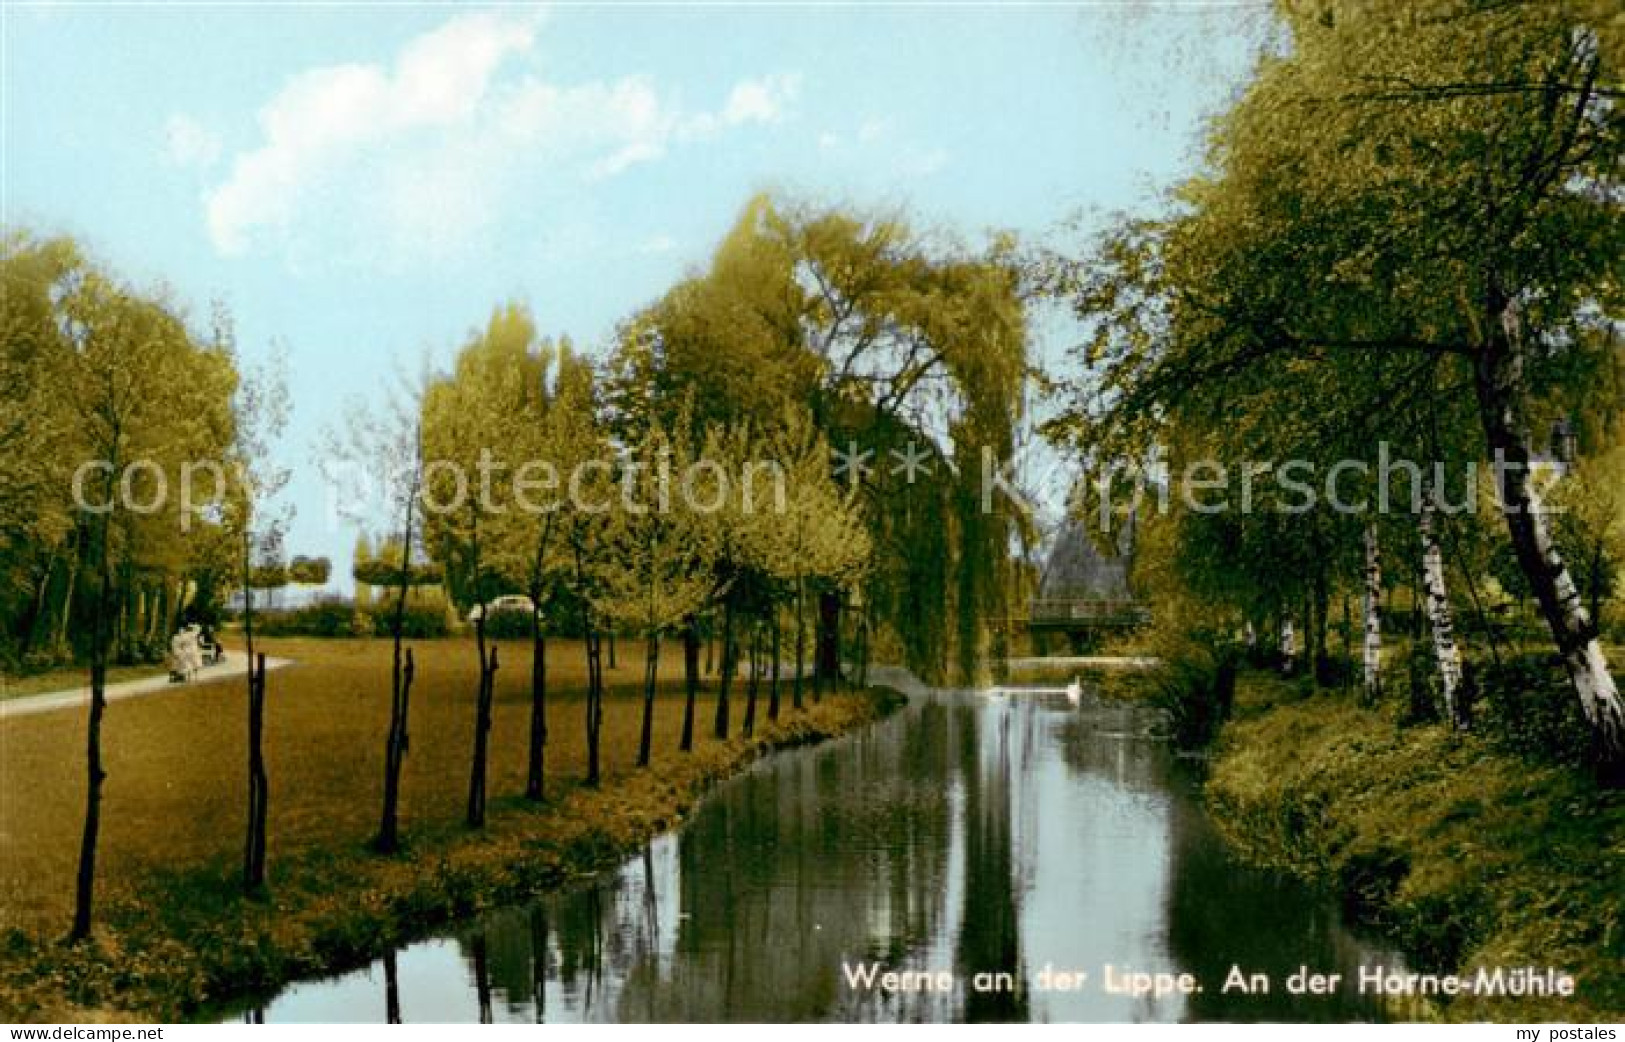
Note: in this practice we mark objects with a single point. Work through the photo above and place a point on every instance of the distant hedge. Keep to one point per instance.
(338, 617)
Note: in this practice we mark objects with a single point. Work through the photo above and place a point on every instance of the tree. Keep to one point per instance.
(146, 396)
(1415, 168)
(655, 566)
(388, 443)
(555, 435)
(896, 343)
(820, 535)
(309, 571)
(42, 538)
(259, 413)
(466, 416)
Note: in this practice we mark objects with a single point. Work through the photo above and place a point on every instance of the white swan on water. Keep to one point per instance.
(1074, 692)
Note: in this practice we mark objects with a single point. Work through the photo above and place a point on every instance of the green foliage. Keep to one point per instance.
(1526, 712)
(1194, 683)
(508, 625)
(271, 576)
(310, 571)
(418, 621)
(338, 617)
(330, 617)
(97, 370)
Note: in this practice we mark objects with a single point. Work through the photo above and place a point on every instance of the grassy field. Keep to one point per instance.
(1466, 855)
(176, 789)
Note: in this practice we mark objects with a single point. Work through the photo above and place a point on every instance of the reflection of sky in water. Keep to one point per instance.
(968, 833)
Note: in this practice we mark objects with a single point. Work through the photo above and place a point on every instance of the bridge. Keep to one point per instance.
(1070, 614)
(1083, 592)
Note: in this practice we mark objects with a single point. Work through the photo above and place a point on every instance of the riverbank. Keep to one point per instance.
(1464, 855)
(174, 936)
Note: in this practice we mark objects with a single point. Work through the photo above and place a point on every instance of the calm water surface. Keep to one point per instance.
(970, 833)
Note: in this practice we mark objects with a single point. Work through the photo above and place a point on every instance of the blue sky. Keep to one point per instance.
(364, 183)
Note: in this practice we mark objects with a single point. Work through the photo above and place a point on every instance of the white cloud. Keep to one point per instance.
(875, 146)
(416, 157)
(657, 245)
(922, 162)
(760, 101)
(188, 143)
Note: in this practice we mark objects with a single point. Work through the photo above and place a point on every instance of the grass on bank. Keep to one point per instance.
(173, 932)
(1466, 855)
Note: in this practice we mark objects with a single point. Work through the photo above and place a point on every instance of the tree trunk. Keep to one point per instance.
(1499, 384)
(482, 977)
(828, 666)
(1445, 653)
(801, 642)
(1598, 578)
(773, 689)
(401, 672)
(482, 725)
(1484, 624)
(729, 656)
(389, 838)
(85, 884)
(651, 671)
(259, 790)
(159, 612)
(535, 783)
(1289, 646)
(595, 696)
(691, 679)
(1372, 648)
(67, 600)
(1321, 599)
(863, 648)
(752, 686)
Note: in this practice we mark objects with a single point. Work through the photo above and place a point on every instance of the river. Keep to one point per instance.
(972, 834)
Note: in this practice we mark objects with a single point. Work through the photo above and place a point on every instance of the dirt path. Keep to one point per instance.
(235, 665)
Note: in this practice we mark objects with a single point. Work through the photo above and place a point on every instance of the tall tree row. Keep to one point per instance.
(1408, 224)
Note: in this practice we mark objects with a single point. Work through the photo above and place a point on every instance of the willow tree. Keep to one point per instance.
(899, 344)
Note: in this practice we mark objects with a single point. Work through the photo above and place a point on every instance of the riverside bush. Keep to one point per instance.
(1196, 686)
(1531, 711)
